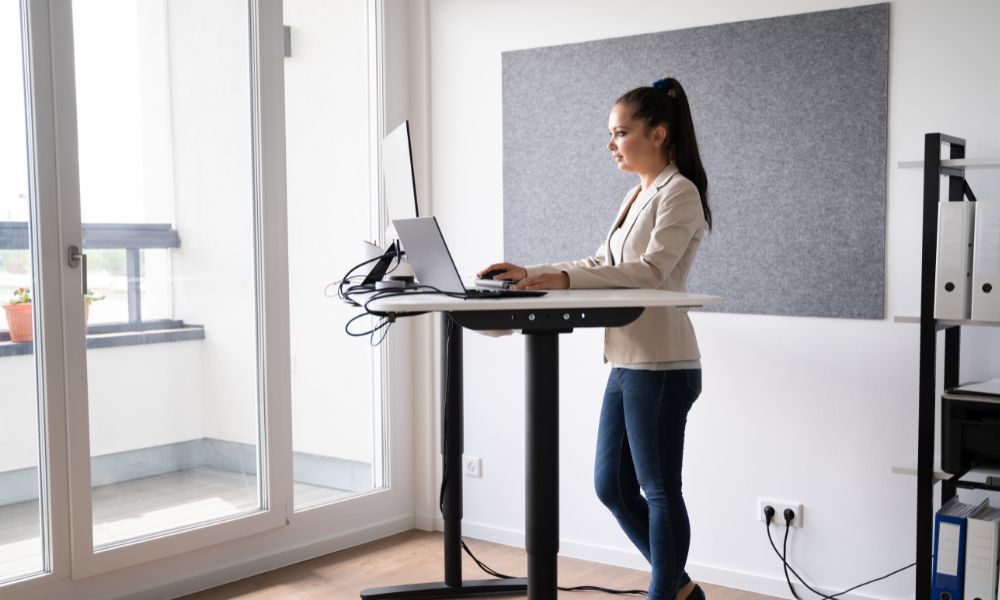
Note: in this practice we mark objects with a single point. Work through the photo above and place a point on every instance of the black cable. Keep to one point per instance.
(822, 596)
(385, 331)
(347, 326)
(578, 588)
(789, 567)
(444, 427)
(387, 318)
(393, 254)
(784, 554)
(350, 275)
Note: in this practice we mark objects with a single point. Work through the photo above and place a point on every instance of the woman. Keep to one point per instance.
(656, 374)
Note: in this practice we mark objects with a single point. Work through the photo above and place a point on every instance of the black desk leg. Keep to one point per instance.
(542, 462)
(452, 446)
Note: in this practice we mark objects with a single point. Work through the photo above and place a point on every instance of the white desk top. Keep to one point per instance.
(555, 299)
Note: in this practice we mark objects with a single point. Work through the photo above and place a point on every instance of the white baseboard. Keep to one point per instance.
(427, 523)
(632, 559)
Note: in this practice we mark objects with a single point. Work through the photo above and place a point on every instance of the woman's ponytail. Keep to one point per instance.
(665, 103)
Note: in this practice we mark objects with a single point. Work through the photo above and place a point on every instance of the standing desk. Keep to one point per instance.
(541, 319)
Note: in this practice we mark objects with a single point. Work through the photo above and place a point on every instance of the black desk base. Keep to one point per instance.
(465, 589)
(541, 329)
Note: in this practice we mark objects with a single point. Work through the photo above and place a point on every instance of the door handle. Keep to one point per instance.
(75, 258)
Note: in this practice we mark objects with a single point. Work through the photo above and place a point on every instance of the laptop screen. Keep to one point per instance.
(428, 254)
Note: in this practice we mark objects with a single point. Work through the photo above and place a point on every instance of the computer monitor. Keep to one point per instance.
(397, 174)
(400, 189)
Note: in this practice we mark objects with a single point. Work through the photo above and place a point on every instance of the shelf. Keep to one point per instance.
(946, 323)
(939, 475)
(972, 485)
(967, 163)
(983, 477)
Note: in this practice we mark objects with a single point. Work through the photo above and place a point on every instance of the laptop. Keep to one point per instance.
(428, 254)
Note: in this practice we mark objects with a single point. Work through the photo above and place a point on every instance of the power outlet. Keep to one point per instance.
(779, 511)
(473, 466)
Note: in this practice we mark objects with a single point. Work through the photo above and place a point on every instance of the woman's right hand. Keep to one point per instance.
(507, 271)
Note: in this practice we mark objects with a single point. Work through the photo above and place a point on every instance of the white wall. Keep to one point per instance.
(132, 405)
(811, 410)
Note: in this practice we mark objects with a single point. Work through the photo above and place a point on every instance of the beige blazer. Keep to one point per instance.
(661, 239)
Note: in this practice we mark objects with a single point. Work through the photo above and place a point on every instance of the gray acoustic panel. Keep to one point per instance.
(790, 115)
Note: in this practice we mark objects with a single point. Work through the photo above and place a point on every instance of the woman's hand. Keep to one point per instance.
(507, 271)
(545, 281)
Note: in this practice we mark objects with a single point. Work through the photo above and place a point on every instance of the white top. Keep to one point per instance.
(555, 299)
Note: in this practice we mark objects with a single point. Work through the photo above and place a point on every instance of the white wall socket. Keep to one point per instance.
(473, 466)
(779, 511)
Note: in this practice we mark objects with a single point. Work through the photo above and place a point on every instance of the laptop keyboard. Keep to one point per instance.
(473, 293)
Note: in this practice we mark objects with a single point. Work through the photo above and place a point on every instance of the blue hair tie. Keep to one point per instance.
(662, 84)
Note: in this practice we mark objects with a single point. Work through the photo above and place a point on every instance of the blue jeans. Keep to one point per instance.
(640, 446)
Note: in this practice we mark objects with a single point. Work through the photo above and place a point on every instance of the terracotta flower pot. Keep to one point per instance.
(19, 321)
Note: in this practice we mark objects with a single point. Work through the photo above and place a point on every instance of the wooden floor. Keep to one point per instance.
(415, 557)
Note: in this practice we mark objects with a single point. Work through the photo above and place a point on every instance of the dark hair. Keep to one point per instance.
(665, 103)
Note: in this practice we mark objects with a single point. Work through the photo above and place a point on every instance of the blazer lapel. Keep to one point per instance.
(643, 201)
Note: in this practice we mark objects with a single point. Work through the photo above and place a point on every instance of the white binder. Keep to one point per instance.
(953, 276)
(982, 550)
(986, 263)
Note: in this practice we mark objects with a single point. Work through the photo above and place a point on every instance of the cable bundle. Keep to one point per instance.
(356, 289)
(783, 554)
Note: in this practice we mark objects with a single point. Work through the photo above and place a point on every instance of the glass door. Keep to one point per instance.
(173, 410)
(22, 534)
(166, 200)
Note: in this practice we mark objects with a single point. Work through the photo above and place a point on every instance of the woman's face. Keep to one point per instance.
(633, 148)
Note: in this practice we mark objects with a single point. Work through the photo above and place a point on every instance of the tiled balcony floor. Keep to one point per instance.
(141, 507)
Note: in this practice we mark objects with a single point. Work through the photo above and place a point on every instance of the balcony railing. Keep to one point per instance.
(132, 238)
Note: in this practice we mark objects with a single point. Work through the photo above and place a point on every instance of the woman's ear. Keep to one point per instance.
(660, 136)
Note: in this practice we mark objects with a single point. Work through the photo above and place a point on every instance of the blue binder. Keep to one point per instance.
(949, 555)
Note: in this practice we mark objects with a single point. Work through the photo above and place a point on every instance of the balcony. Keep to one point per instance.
(173, 418)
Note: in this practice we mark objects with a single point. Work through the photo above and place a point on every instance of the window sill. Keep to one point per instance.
(113, 336)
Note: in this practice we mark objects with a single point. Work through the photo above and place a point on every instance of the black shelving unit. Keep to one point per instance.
(929, 328)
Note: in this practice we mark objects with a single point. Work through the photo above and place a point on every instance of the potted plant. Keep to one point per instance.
(18, 311)
(19, 317)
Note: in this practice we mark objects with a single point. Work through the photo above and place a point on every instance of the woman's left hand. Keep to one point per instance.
(545, 281)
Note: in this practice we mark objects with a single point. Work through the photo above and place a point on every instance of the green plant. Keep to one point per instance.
(21, 296)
